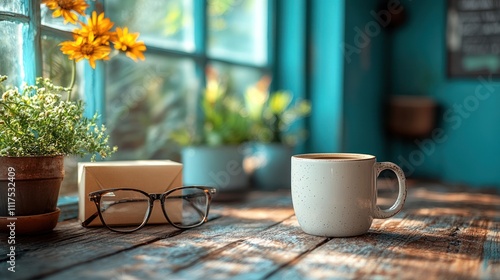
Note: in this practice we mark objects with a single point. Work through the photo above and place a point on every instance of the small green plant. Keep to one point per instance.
(272, 114)
(224, 120)
(38, 122)
(262, 116)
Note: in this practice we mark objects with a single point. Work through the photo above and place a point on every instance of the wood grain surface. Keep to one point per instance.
(443, 232)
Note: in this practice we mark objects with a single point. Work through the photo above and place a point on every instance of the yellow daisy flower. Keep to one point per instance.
(127, 42)
(99, 26)
(69, 9)
(90, 48)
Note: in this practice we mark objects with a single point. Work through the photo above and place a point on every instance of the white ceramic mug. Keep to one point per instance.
(335, 195)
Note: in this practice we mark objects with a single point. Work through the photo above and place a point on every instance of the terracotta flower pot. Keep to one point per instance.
(29, 186)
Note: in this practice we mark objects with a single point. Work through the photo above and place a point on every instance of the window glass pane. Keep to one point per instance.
(14, 6)
(145, 101)
(58, 22)
(166, 24)
(238, 30)
(56, 66)
(11, 55)
(238, 78)
(62, 71)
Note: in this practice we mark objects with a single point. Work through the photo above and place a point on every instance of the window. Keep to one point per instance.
(14, 21)
(141, 103)
(33, 47)
(146, 101)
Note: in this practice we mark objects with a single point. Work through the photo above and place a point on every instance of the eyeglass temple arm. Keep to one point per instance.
(90, 219)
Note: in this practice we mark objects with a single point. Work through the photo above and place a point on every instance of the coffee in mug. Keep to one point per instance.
(335, 195)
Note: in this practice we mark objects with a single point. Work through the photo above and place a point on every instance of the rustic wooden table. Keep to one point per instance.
(442, 233)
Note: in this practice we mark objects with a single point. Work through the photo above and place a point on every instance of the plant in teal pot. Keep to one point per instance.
(213, 151)
(274, 137)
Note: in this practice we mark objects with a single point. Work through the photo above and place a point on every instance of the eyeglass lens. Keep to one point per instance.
(186, 207)
(127, 210)
(124, 210)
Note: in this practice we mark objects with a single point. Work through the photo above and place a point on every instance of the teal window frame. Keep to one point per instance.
(31, 38)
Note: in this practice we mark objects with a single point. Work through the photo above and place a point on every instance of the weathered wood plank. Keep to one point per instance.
(391, 253)
(440, 234)
(440, 243)
(70, 244)
(162, 257)
(491, 251)
(258, 256)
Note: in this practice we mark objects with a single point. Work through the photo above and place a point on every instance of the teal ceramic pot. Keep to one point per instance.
(270, 165)
(221, 167)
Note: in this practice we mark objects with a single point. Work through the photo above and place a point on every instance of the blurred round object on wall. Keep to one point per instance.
(411, 116)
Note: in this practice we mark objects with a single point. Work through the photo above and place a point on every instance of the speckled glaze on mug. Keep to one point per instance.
(335, 195)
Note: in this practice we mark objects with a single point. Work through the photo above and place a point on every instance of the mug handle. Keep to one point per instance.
(398, 205)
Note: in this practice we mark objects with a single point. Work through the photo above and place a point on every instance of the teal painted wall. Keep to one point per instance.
(291, 53)
(349, 90)
(325, 77)
(468, 149)
(365, 79)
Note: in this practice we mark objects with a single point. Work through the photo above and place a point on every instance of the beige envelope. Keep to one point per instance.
(151, 176)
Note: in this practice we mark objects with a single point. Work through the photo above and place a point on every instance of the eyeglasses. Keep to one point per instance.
(127, 210)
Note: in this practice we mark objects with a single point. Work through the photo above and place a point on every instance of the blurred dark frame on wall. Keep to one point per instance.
(473, 38)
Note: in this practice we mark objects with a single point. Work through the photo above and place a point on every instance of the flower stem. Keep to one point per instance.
(73, 78)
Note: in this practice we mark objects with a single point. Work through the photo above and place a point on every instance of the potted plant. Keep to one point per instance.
(272, 116)
(39, 125)
(213, 152)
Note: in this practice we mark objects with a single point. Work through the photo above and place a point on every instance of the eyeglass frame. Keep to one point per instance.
(96, 198)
